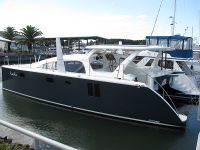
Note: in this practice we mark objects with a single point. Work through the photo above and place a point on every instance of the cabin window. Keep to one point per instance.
(49, 79)
(177, 44)
(149, 62)
(137, 59)
(163, 42)
(93, 89)
(90, 89)
(97, 61)
(49, 66)
(97, 90)
(67, 82)
(153, 41)
(74, 66)
(22, 75)
(168, 64)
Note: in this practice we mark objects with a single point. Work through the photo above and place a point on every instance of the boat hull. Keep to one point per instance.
(100, 97)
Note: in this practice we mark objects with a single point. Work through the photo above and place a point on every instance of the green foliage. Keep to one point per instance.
(29, 35)
(40, 41)
(9, 33)
(126, 42)
(91, 43)
(6, 144)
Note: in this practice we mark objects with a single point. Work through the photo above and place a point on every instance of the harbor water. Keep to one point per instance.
(87, 132)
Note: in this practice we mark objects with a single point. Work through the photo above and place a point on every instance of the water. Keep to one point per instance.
(87, 132)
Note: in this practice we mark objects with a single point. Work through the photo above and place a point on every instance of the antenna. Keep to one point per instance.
(199, 29)
(186, 31)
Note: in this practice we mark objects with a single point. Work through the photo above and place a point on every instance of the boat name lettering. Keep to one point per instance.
(13, 74)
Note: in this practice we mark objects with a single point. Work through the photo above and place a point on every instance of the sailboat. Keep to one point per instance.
(177, 61)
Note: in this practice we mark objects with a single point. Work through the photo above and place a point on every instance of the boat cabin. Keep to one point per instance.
(182, 44)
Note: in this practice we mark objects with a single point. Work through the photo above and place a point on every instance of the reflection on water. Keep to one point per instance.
(87, 132)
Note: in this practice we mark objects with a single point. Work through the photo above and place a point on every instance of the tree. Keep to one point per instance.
(126, 41)
(29, 35)
(9, 33)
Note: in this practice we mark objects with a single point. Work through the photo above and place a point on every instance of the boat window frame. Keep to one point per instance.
(79, 69)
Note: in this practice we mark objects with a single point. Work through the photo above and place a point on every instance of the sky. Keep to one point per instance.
(125, 19)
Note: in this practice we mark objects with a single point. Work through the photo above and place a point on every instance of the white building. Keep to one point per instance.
(3, 43)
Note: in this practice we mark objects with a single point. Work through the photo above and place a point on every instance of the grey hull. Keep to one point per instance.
(103, 98)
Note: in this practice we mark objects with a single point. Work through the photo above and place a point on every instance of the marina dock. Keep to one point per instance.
(18, 59)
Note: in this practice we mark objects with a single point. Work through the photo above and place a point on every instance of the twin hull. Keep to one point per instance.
(99, 97)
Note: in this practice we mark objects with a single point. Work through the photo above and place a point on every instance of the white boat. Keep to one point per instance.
(194, 63)
(101, 82)
(185, 85)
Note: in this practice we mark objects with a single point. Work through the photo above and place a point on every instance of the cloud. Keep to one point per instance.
(55, 20)
(142, 16)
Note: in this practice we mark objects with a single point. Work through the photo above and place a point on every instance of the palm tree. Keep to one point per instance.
(29, 35)
(9, 33)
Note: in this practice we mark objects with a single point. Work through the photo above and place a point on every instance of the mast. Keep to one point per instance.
(199, 31)
(173, 19)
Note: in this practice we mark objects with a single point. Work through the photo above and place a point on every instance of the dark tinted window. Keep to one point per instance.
(149, 62)
(137, 59)
(74, 66)
(49, 79)
(22, 75)
(90, 89)
(67, 82)
(97, 90)
(166, 64)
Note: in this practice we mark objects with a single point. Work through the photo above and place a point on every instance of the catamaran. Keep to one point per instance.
(102, 82)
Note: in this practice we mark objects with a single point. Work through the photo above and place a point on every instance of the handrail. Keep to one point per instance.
(164, 91)
(37, 136)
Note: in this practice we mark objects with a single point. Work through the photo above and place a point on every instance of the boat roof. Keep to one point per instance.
(77, 38)
(168, 37)
(196, 50)
(74, 56)
(130, 47)
(4, 40)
